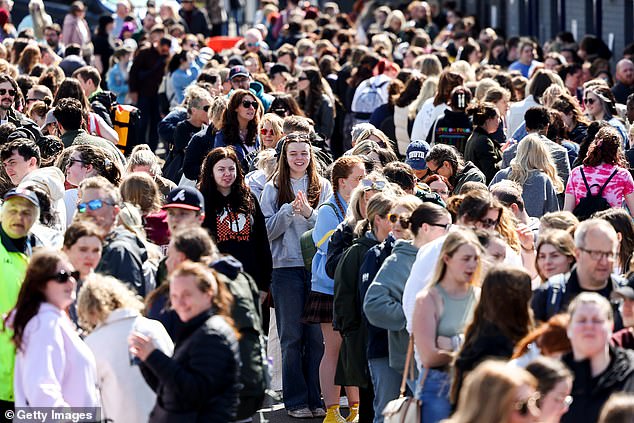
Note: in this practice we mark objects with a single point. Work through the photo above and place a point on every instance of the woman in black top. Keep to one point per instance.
(316, 101)
(198, 107)
(233, 216)
(200, 381)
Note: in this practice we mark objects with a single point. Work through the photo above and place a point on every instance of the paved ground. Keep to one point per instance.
(274, 412)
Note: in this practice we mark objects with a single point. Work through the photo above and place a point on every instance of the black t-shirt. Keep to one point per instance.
(103, 48)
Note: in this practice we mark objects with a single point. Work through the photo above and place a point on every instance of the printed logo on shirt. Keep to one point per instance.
(233, 226)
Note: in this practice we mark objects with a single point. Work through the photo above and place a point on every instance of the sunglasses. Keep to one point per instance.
(445, 226)
(11, 92)
(206, 108)
(589, 101)
(247, 104)
(265, 131)
(432, 171)
(280, 112)
(93, 205)
(489, 223)
(302, 78)
(63, 276)
(73, 161)
(369, 185)
(402, 220)
(31, 100)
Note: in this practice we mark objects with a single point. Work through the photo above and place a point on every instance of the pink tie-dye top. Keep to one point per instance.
(620, 185)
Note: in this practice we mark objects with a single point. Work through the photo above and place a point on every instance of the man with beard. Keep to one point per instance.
(9, 100)
(624, 80)
(51, 35)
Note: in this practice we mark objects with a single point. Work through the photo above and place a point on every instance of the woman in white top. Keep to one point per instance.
(110, 311)
(53, 366)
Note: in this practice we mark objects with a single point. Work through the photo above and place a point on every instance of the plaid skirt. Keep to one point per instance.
(318, 308)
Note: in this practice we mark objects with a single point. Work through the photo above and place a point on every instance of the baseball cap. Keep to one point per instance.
(50, 117)
(188, 198)
(238, 71)
(416, 153)
(23, 193)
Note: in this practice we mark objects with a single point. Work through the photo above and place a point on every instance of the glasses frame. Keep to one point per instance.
(597, 255)
(11, 91)
(402, 220)
(370, 185)
(446, 227)
(248, 104)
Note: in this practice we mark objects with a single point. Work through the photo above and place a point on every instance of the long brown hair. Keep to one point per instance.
(282, 175)
(606, 148)
(447, 82)
(550, 337)
(341, 169)
(42, 267)
(239, 198)
(231, 127)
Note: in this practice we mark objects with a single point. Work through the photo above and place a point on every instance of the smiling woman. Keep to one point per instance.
(43, 331)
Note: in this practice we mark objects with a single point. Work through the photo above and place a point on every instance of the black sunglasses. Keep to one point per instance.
(206, 108)
(489, 223)
(63, 276)
(246, 104)
(280, 112)
(445, 226)
(402, 220)
(588, 101)
(11, 92)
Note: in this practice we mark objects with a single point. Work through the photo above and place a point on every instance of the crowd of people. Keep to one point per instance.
(184, 230)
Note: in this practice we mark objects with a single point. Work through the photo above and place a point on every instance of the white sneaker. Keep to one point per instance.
(301, 413)
(319, 412)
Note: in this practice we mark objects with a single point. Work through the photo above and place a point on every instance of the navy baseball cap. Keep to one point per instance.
(238, 71)
(188, 198)
(416, 154)
(27, 194)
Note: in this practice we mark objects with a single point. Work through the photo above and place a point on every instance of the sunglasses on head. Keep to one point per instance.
(63, 276)
(247, 104)
(402, 220)
(11, 91)
(527, 406)
(369, 185)
(280, 112)
(93, 205)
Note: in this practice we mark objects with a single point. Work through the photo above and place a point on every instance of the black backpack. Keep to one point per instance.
(591, 203)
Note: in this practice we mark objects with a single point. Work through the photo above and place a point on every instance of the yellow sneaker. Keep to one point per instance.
(354, 414)
(333, 415)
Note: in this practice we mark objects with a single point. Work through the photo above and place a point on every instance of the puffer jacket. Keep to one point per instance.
(200, 382)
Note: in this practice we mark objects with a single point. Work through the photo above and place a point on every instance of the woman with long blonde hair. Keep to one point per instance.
(441, 313)
(513, 390)
(533, 168)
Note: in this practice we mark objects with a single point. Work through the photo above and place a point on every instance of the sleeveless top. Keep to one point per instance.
(457, 312)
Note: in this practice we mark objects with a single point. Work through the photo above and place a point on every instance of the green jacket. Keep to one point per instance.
(352, 369)
(13, 265)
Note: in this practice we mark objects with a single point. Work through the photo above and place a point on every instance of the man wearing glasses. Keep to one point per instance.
(20, 211)
(596, 247)
(9, 102)
(124, 254)
(241, 80)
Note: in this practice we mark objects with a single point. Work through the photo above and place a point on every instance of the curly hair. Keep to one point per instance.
(606, 148)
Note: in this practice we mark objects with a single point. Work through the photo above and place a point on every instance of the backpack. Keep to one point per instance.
(592, 203)
(125, 120)
(370, 98)
(308, 246)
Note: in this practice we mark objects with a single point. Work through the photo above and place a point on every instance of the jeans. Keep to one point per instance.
(434, 395)
(387, 383)
(302, 344)
(150, 118)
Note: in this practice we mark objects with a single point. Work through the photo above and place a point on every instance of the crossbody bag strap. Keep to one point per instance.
(408, 370)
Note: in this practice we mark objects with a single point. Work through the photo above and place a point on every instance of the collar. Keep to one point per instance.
(196, 322)
(95, 93)
(120, 314)
(20, 245)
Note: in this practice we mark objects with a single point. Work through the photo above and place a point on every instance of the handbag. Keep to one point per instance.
(405, 409)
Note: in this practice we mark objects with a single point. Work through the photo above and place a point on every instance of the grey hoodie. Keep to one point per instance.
(284, 227)
(382, 304)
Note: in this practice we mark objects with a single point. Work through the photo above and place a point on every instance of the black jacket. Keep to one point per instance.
(173, 169)
(123, 257)
(591, 393)
(197, 20)
(101, 103)
(202, 142)
(484, 153)
(199, 383)
(340, 240)
(469, 173)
